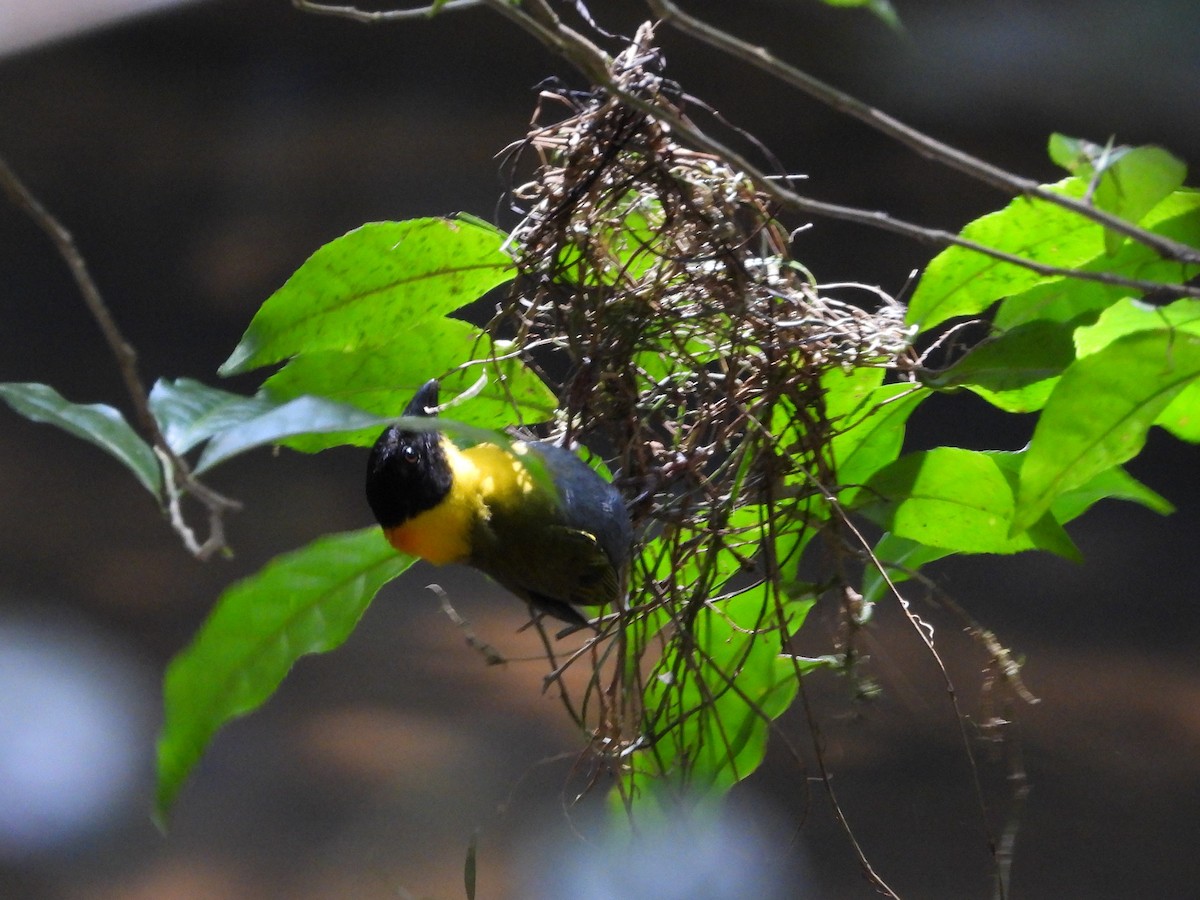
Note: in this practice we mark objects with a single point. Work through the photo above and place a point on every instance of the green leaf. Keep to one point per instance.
(377, 282)
(962, 282)
(710, 706)
(189, 412)
(1111, 484)
(868, 419)
(621, 249)
(1129, 316)
(383, 380)
(899, 557)
(883, 9)
(302, 416)
(955, 499)
(96, 423)
(1078, 156)
(1099, 413)
(1016, 369)
(1129, 181)
(307, 601)
(1182, 415)
(1066, 299)
(870, 442)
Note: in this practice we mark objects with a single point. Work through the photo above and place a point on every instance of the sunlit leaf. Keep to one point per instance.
(96, 423)
(1111, 484)
(1129, 316)
(901, 557)
(1099, 413)
(1129, 181)
(622, 249)
(1066, 299)
(377, 282)
(868, 442)
(955, 499)
(1182, 415)
(383, 379)
(962, 282)
(304, 602)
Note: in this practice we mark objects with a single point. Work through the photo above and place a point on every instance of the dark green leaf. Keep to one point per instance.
(302, 416)
(96, 423)
(881, 8)
(1099, 413)
(1015, 369)
(307, 601)
(189, 412)
(379, 281)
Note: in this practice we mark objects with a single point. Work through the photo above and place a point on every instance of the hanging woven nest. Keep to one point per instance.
(658, 292)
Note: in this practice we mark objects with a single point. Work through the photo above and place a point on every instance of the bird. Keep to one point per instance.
(559, 538)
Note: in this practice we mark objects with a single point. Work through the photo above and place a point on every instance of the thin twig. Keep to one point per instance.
(593, 63)
(491, 655)
(177, 476)
(925, 633)
(389, 15)
(539, 20)
(923, 144)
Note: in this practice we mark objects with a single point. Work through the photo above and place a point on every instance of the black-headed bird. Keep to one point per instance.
(558, 539)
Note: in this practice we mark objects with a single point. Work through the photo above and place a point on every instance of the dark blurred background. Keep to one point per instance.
(201, 152)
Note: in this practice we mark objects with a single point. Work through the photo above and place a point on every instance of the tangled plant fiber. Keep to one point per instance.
(658, 290)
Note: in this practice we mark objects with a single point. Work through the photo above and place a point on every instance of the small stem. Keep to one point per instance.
(922, 143)
(175, 471)
(387, 15)
(594, 64)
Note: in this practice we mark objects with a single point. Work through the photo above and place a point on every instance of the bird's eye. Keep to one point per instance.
(409, 454)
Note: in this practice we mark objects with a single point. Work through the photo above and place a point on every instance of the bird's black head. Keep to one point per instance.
(407, 472)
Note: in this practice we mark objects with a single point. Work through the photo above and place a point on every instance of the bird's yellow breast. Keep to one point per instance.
(480, 476)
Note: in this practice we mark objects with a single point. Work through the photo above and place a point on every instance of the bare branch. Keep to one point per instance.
(389, 15)
(177, 476)
(922, 143)
(594, 64)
